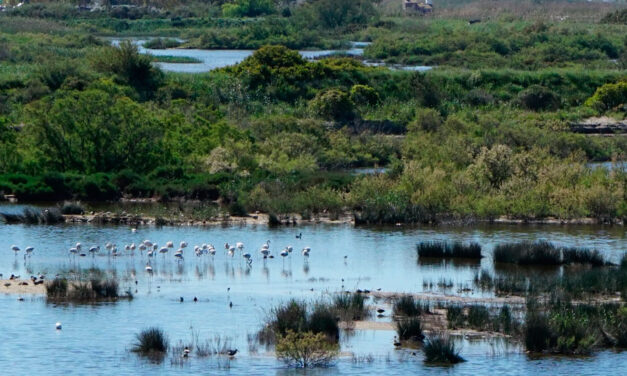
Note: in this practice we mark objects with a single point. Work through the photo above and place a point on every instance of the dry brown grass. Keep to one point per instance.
(528, 10)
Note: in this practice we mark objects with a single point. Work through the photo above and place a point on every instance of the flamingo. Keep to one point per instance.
(289, 248)
(93, 250)
(284, 253)
(163, 250)
(239, 245)
(179, 256)
(306, 251)
(73, 250)
(29, 250)
(78, 246)
(248, 257)
(231, 252)
(183, 244)
(169, 245)
(148, 268)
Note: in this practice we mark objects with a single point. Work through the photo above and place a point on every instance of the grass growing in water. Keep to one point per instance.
(410, 329)
(435, 249)
(582, 256)
(151, 342)
(296, 317)
(440, 349)
(83, 291)
(527, 253)
(350, 306)
(406, 305)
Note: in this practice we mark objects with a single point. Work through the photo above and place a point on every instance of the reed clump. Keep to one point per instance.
(437, 249)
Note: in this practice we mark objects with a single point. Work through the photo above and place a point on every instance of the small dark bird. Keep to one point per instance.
(231, 352)
(396, 342)
(186, 352)
(228, 289)
(135, 282)
(230, 304)
(299, 236)
(181, 299)
(195, 299)
(380, 310)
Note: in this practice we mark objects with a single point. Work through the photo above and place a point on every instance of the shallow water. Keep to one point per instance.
(96, 337)
(212, 59)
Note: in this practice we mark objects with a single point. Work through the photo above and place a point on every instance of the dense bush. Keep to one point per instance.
(332, 104)
(609, 96)
(306, 349)
(538, 98)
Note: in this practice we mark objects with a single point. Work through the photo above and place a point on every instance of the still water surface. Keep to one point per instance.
(95, 338)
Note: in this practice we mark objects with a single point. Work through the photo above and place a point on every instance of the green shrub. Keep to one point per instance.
(332, 104)
(364, 95)
(537, 98)
(609, 96)
(306, 349)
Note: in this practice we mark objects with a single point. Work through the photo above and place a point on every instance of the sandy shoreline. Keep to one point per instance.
(14, 286)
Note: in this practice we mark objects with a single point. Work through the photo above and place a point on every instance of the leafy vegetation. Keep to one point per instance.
(486, 134)
(306, 349)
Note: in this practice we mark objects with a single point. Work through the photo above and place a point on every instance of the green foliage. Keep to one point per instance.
(364, 95)
(609, 96)
(538, 98)
(129, 65)
(295, 317)
(248, 8)
(334, 14)
(306, 349)
(332, 104)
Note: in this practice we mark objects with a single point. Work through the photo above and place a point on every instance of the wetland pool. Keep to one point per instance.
(96, 338)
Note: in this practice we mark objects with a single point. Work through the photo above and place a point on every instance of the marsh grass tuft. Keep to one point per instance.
(528, 253)
(151, 342)
(440, 349)
(410, 329)
(437, 249)
(406, 305)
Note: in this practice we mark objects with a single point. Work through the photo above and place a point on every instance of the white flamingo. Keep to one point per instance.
(148, 268)
(169, 244)
(29, 250)
(183, 244)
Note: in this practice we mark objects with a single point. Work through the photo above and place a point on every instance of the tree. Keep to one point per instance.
(93, 131)
(132, 68)
(306, 349)
(248, 8)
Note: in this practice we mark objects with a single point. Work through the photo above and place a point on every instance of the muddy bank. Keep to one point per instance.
(21, 286)
(254, 219)
(296, 219)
